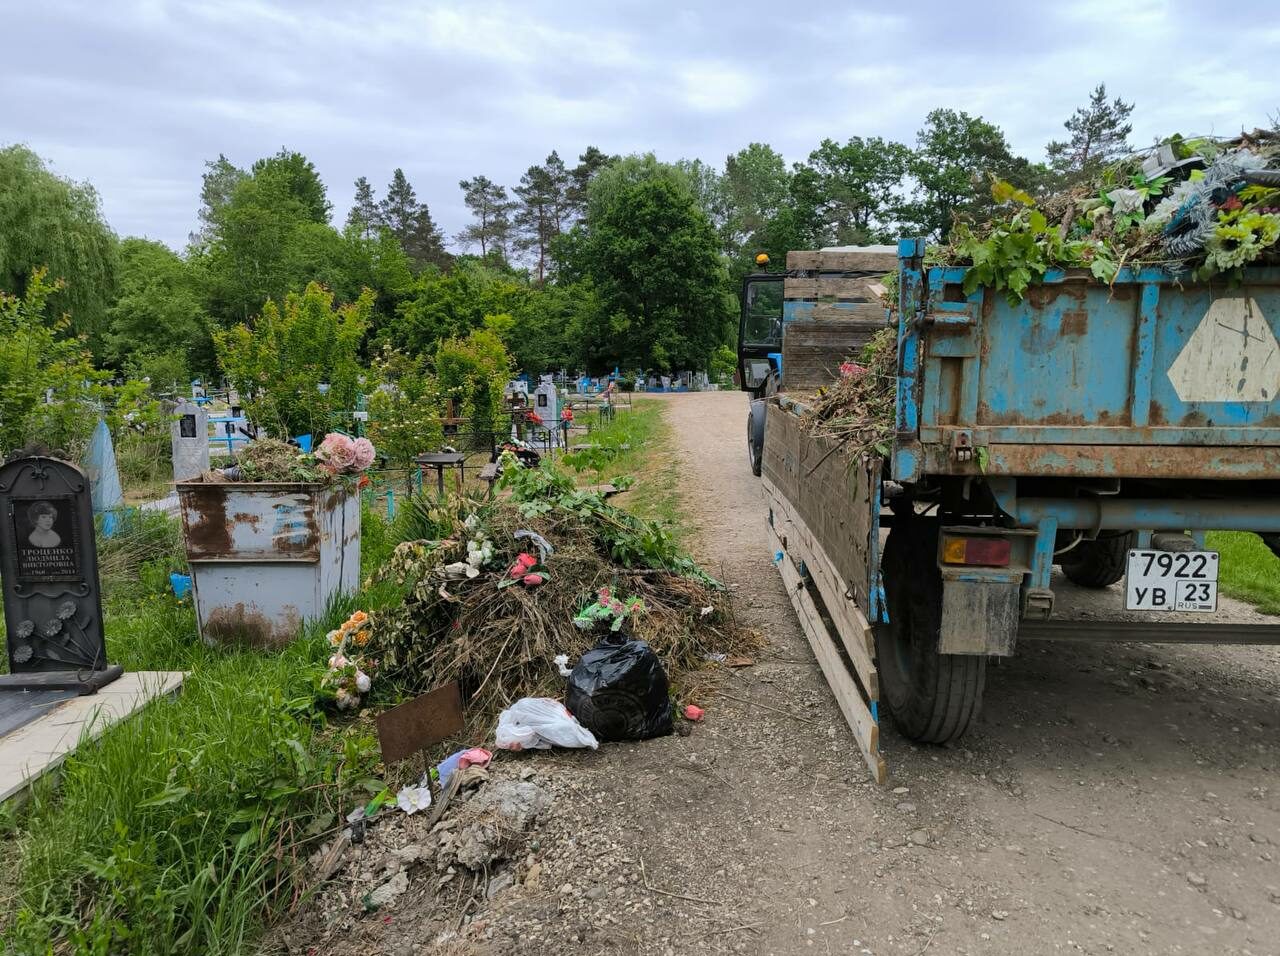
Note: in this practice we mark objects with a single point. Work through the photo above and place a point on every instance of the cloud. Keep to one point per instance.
(135, 95)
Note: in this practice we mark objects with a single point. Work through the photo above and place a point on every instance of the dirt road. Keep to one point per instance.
(1112, 799)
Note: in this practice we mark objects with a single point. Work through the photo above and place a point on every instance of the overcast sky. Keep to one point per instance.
(135, 95)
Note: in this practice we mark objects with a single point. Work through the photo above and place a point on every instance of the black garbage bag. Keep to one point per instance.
(618, 691)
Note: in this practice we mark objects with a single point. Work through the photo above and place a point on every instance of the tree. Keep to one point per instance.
(955, 155)
(411, 223)
(1099, 135)
(654, 259)
(491, 208)
(755, 187)
(404, 419)
(39, 353)
(590, 162)
(364, 217)
(451, 305)
(218, 184)
(159, 313)
(293, 174)
(472, 373)
(47, 222)
(542, 209)
(856, 187)
(280, 361)
(266, 242)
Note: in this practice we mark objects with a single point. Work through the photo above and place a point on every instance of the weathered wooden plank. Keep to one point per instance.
(852, 311)
(856, 712)
(830, 494)
(851, 624)
(830, 287)
(812, 350)
(852, 261)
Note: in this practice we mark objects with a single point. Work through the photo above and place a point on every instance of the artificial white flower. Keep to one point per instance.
(413, 799)
(363, 682)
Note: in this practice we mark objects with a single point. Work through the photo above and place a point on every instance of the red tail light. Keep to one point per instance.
(978, 550)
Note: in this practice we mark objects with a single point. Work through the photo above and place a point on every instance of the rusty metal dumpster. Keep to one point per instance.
(267, 556)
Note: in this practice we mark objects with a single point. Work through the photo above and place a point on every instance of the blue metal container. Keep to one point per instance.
(1149, 377)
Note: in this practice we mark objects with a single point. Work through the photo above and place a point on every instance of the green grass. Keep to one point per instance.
(644, 428)
(1248, 570)
(182, 829)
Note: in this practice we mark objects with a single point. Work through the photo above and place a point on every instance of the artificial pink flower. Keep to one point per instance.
(337, 451)
(852, 370)
(533, 580)
(364, 453)
(517, 571)
(527, 560)
(604, 595)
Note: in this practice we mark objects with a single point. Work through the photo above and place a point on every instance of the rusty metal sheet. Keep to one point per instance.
(419, 723)
(1113, 461)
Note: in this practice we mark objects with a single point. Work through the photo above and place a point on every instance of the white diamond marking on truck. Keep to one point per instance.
(1232, 356)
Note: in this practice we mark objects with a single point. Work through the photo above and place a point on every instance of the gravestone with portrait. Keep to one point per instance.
(189, 434)
(546, 402)
(49, 564)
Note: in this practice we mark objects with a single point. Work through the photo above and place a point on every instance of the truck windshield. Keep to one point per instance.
(762, 312)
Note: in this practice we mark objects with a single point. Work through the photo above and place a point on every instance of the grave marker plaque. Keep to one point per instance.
(49, 564)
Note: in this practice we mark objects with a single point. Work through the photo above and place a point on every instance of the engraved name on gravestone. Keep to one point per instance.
(49, 564)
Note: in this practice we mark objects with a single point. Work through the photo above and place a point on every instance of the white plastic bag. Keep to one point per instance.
(538, 723)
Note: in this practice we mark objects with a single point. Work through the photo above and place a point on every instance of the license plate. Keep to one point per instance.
(1171, 581)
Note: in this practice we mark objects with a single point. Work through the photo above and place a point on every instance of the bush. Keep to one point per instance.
(279, 363)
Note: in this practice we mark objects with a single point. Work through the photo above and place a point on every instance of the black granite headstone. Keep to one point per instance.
(49, 563)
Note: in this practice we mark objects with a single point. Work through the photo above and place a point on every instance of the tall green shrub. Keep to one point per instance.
(38, 355)
(280, 361)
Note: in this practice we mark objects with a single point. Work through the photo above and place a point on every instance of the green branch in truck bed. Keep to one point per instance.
(1205, 207)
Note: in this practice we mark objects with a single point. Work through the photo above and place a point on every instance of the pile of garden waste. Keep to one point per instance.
(1199, 208)
(495, 591)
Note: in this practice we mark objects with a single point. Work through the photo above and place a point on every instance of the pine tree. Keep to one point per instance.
(589, 163)
(542, 209)
(1099, 135)
(411, 223)
(364, 217)
(491, 208)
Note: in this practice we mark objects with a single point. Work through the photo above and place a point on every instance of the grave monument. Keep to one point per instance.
(189, 434)
(49, 565)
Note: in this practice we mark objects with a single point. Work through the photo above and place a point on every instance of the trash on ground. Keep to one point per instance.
(460, 760)
(619, 691)
(693, 712)
(539, 723)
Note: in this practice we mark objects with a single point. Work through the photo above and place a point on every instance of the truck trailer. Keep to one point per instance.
(1100, 428)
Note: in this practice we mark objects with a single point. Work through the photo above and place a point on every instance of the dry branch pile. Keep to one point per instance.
(469, 616)
(857, 410)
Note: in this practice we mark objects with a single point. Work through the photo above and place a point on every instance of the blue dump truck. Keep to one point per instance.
(1099, 428)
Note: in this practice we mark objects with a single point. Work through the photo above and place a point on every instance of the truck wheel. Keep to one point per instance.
(755, 436)
(1099, 563)
(933, 697)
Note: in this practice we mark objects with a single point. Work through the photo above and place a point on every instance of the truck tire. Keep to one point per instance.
(1099, 563)
(755, 436)
(932, 697)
